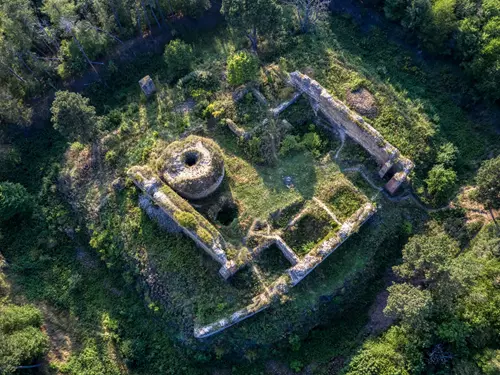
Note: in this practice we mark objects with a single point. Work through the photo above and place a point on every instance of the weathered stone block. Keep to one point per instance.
(147, 86)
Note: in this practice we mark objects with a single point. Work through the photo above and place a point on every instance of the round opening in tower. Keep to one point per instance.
(191, 158)
(193, 167)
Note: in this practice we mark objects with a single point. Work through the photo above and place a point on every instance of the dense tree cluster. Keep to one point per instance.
(41, 42)
(446, 308)
(466, 29)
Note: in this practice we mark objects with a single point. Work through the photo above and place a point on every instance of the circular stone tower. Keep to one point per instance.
(193, 167)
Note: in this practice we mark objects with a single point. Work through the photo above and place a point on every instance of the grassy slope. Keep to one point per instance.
(48, 270)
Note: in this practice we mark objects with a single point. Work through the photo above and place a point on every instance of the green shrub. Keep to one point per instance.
(295, 343)
(312, 142)
(179, 57)
(440, 182)
(14, 317)
(186, 219)
(253, 149)
(242, 67)
(290, 145)
(447, 155)
(380, 357)
(21, 339)
(296, 366)
(204, 235)
(14, 200)
(111, 157)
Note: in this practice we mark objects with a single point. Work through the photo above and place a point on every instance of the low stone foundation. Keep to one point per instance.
(299, 270)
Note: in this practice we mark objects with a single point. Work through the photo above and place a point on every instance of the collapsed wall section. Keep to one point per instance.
(338, 114)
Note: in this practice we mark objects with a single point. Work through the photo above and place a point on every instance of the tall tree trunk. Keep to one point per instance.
(148, 21)
(162, 15)
(23, 62)
(116, 16)
(493, 217)
(154, 16)
(107, 33)
(12, 71)
(51, 39)
(253, 39)
(170, 7)
(80, 47)
(138, 15)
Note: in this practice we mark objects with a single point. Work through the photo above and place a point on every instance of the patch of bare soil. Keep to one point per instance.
(59, 329)
(363, 102)
(474, 210)
(379, 322)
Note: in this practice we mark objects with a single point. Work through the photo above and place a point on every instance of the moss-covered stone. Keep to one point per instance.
(193, 167)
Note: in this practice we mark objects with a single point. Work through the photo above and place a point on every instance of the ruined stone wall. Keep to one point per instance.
(338, 114)
(171, 203)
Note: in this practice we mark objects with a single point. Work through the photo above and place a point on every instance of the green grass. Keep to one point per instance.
(311, 228)
(272, 264)
(417, 113)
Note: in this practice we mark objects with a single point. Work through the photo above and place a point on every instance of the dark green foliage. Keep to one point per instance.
(73, 116)
(488, 183)
(409, 304)
(178, 56)
(193, 8)
(450, 318)
(242, 67)
(14, 200)
(114, 323)
(464, 28)
(427, 257)
(253, 18)
(440, 182)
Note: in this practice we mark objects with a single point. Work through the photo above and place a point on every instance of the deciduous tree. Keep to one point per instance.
(308, 12)
(253, 18)
(73, 116)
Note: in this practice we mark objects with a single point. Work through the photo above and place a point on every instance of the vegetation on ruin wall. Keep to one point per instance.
(113, 328)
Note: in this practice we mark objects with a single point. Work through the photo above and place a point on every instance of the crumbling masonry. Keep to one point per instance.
(338, 114)
(194, 168)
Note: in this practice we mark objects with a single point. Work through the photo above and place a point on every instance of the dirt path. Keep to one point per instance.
(153, 42)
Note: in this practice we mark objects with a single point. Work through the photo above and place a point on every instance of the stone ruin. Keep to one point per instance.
(193, 169)
(352, 124)
(147, 86)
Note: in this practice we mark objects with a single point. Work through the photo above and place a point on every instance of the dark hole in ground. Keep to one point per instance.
(191, 158)
(227, 214)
